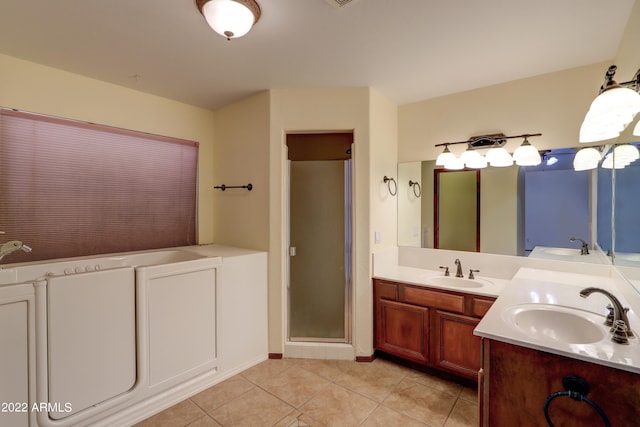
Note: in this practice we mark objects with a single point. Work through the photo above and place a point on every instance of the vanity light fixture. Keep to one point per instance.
(526, 154)
(612, 110)
(498, 156)
(230, 18)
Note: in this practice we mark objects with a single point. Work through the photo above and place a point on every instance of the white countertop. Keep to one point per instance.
(422, 277)
(595, 256)
(561, 290)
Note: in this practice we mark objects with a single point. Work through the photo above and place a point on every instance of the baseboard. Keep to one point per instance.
(366, 359)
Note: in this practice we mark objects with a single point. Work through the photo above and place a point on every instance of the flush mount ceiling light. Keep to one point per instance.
(230, 18)
(612, 110)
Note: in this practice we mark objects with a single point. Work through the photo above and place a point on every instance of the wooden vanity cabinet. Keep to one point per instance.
(515, 383)
(431, 326)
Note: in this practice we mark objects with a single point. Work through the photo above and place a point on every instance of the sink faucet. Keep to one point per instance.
(584, 250)
(12, 246)
(458, 268)
(619, 312)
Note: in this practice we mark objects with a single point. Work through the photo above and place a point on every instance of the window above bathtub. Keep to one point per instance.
(71, 188)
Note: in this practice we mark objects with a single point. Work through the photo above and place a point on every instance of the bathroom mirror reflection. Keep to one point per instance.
(524, 211)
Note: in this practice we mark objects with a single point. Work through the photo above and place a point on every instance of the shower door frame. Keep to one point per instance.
(349, 237)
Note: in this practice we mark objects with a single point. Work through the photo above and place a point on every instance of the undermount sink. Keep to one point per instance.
(562, 251)
(459, 282)
(557, 323)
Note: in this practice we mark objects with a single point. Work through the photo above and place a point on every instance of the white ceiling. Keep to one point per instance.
(409, 50)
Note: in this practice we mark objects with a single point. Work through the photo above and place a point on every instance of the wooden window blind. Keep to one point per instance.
(70, 188)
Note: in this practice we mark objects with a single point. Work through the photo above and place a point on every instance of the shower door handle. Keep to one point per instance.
(292, 251)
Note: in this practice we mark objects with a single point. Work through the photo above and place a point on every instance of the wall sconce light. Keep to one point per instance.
(230, 18)
(497, 156)
(612, 110)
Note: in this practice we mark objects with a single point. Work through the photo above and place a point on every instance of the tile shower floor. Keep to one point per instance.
(304, 392)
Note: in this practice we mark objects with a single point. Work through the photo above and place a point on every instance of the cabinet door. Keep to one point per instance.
(403, 330)
(454, 346)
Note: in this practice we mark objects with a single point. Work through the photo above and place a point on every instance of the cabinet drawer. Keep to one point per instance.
(480, 306)
(452, 303)
(386, 290)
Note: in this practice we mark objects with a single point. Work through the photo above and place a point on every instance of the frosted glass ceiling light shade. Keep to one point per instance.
(499, 157)
(526, 155)
(586, 158)
(230, 18)
(612, 110)
(445, 157)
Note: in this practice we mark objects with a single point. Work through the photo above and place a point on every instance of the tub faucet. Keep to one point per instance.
(619, 312)
(584, 250)
(12, 246)
(458, 268)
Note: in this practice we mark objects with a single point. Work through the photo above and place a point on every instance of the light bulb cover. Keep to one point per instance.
(454, 164)
(230, 18)
(526, 155)
(445, 157)
(586, 158)
(499, 157)
(626, 153)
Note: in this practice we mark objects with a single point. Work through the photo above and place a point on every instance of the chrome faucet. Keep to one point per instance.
(619, 312)
(584, 250)
(12, 246)
(458, 268)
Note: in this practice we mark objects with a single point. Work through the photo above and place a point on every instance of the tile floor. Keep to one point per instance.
(303, 392)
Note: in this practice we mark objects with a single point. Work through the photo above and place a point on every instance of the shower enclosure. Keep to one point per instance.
(320, 236)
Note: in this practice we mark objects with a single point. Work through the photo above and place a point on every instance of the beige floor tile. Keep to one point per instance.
(222, 393)
(373, 380)
(180, 414)
(336, 406)
(329, 369)
(464, 414)
(470, 394)
(386, 417)
(435, 382)
(204, 421)
(267, 369)
(254, 408)
(421, 402)
(295, 385)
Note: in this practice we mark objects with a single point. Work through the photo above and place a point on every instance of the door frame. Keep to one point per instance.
(349, 248)
(436, 201)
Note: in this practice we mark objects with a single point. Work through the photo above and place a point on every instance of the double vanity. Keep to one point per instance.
(520, 327)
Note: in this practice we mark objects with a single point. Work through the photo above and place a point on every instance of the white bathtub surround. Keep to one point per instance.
(521, 281)
(123, 336)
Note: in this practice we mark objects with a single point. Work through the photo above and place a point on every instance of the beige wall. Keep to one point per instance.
(32, 87)
(241, 156)
(551, 104)
(410, 206)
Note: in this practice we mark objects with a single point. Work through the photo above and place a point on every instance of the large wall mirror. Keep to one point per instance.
(535, 211)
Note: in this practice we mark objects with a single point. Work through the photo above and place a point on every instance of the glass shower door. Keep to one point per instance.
(320, 247)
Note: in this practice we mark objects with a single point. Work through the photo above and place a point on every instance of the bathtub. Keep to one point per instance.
(102, 334)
